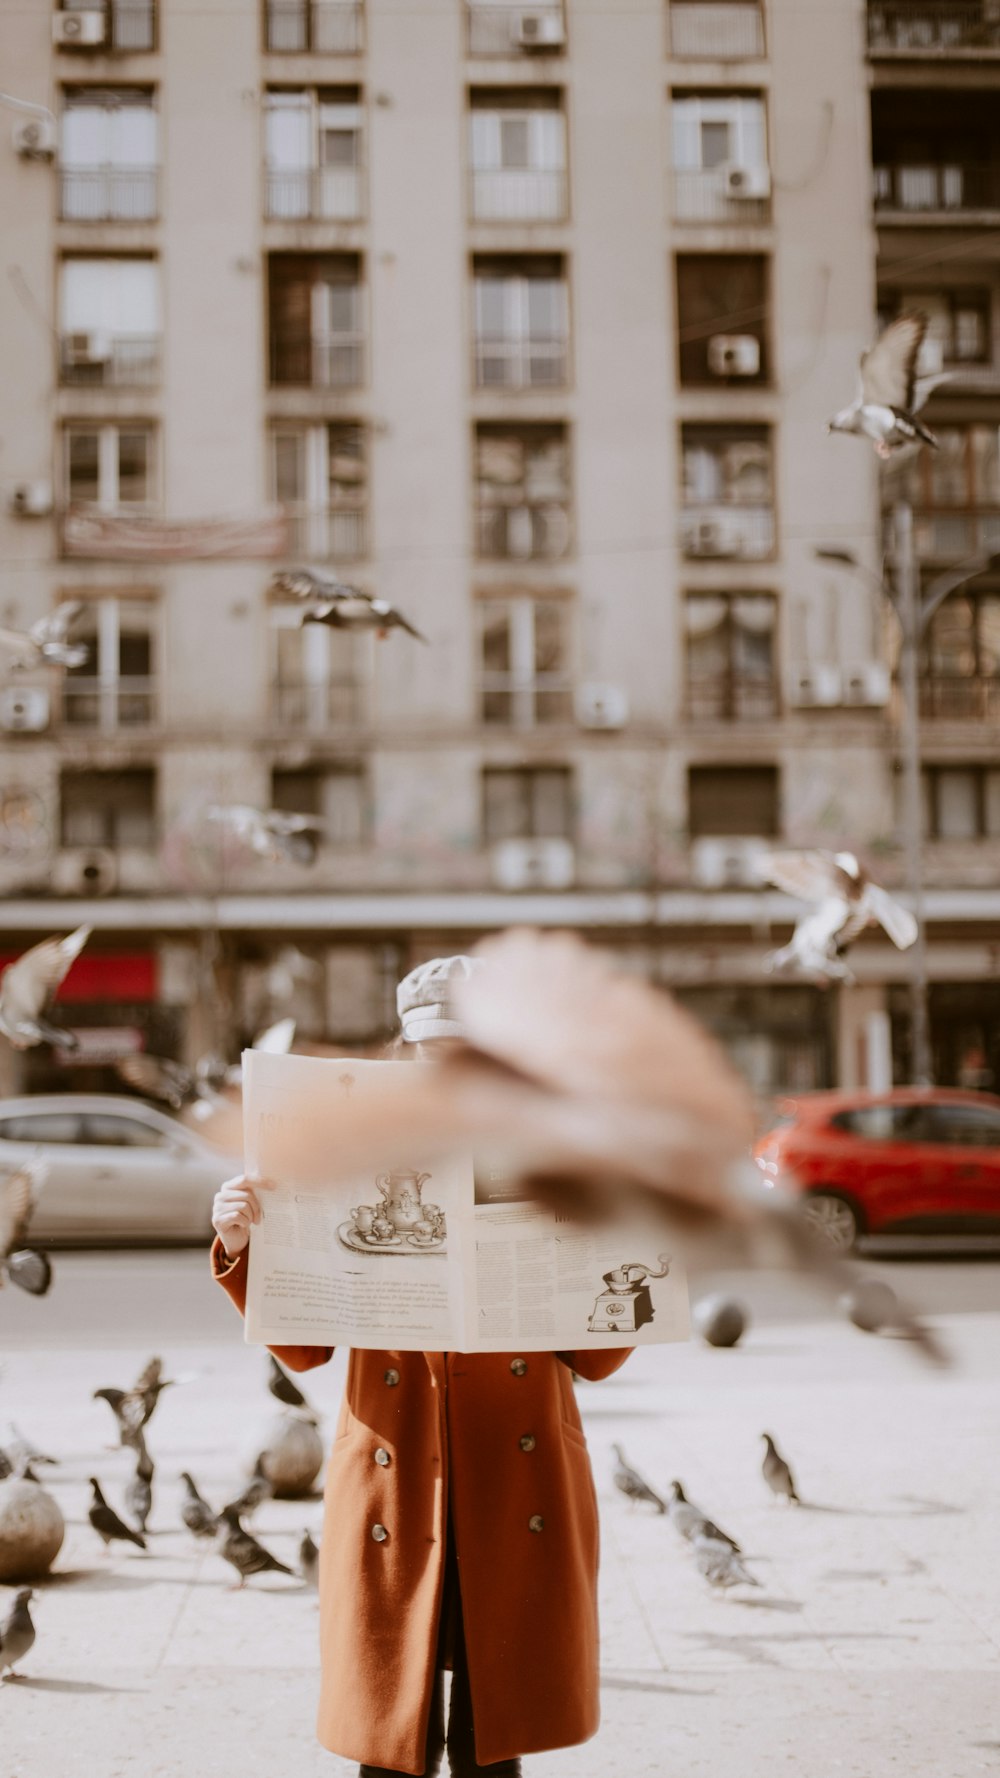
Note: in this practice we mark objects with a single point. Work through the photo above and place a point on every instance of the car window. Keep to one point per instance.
(111, 1131)
(42, 1126)
(879, 1123)
(966, 1126)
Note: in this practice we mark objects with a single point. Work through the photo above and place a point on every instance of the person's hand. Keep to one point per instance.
(236, 1207)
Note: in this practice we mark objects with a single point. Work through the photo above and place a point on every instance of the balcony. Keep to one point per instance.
(705, 195)
(529, 195)
(498, 30)
(323, 194)
(108, 705)
(133, 25)
(326, 27)
(109, 361)
(334, 361)
(724, 531)
(959, 698)
(512, 362)
(950, 536)
(305, 705)
(326, 534)
(716, 33)
(108, 194)
(942, 191)
(905, 28)
(730, 697)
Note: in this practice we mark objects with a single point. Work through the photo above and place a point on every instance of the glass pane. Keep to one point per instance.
(545, 308)
(289, 465)
(550, 637)
(505, 806)
(84, 826)
(948, 468)
(985, 471)
(550, 796)
(969, 334)
(50, 1127)
(288, 131)
(495, 633)
(122, 1132)
(989, 634)
(514, 142)
(957, 805)
(338, 148)
(714, 144)
(951, 642)
(991, 805)
(133, 466)
(135, 654)
(83, 449)
(343, 808)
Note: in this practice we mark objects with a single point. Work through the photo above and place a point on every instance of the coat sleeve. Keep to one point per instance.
(232, 1275)
(595, 1366)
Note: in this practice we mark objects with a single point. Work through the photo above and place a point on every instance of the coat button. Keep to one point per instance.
(536, 1522)
(380, 1533)
(382, 1457)
(392, 1378)
(519, 1366)
(527, 1441)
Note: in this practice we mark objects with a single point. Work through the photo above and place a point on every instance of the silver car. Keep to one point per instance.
(118, 1170)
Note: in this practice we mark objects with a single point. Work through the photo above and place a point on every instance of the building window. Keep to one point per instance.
(508, 28)
(316, 326)
(115, 810)
(728, 493)
(115, 688)
(722, 319)
(313, 154)
(716, 30)
(317, 673)
(517, 146)
(524, 656)
(959, 322)
(720, 169)
(110, 467)
(326, 27)
(320, 478)
(334, 794)
(954, 490)
(522, 493)
(729, 655)
(109, 322)
(733, 800)
(527, 803)
(934, 150)
(960, 663)
(108, 155)
(961, 802)
(521, 323)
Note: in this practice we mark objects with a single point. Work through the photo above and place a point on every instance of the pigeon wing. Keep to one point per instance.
(55, 625)
(888, 370)
(809, 876)
(29, 984)
(897, 921)
(277, 1040)
(17, 1200)
(157, 1078)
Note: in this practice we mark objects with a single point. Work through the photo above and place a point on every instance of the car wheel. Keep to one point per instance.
(833, 1218)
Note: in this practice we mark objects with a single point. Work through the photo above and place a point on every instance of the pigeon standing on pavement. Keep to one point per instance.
(844, 901)
(891, 394)
(28, 987)
(17, 1632)
(776, 1472)
(243, 1552)
(24, 1266)
(309, 1560)
(691, 1522)
(629, 1482)
(196, 1513)
(109, 1527)
(139, 1491)
(721, 1565)
(282, 1387)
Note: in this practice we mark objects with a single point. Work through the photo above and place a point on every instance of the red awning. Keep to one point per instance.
(123, 975)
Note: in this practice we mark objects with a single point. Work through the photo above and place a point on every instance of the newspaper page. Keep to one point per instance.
(450, 1256)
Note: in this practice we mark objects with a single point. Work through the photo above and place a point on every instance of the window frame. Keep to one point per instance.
(523, 685)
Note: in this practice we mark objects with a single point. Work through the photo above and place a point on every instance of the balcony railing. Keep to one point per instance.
(959, 698)
(334, 361)
(523, 533)
(907, 27)
(108, 194)
(327, 27)
(730, 697)
(497, 31)
(110, 361)
(725, 531)
(108, 704)
(716, 33)
(949, 187)
(949, 536)
(299, 705)
(525, 703)
(703, 195)
(503, 362)
(331, 194)
(133, 24)
(325, 534)
(531, 195)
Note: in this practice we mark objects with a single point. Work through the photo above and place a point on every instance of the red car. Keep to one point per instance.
(915, 1160)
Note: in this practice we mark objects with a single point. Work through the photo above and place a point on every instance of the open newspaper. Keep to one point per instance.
(445, 1257)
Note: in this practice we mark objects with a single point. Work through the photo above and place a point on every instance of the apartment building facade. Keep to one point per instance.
(528, 320)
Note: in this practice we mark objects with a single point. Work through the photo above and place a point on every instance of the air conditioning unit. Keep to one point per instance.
(533, 864)
(728, 863)
(540, 30)
(747, 182)
(24, 711)
(86, 348)
(734, 355)
(715, 536)
(79, 30)
(90, 872)
(601, 706)
(866, 684)
(32, 500)
(812, 687)
(36, 138)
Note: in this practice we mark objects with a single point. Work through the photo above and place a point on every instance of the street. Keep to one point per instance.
(872, 1646)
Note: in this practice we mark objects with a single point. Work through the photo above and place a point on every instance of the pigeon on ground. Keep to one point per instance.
(721, 1565)
(691, 1522)
(309, 1561)
(257, 1490)
(20, 1443)
(845, 901)
(886, 406)
(109, 1527)
(282, 1387)
(629, 1482)
(196, 1513)
(25, 1266)
(274, 834)
(17, 1632)
(776, 1472)
(242, 1551)
(342, 607)
(29, 986)
(139, 1491)
(46, 644)
(6, 1466)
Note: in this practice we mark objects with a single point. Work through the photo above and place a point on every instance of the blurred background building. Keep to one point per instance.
(528, 319)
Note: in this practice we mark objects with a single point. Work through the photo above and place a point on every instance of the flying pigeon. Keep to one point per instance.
(17, 1632)
(243, 1552)
(139, 1491)
(691, 1522)
(20, 1443)
(845, 901)
(274, 834)
(721, 1565)
(24, 1266)
(891, 395)
(28, 987)
(342, 607)
(282, 1387)
(177, 1085)
(109, 1527)
(309, 1561)
(133, 1408)
(776, 1472)
(46, 643)
(196, 1513)
(257, 1490)
(629, 1482)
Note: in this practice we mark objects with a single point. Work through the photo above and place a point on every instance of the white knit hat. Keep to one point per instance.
(423, 1000)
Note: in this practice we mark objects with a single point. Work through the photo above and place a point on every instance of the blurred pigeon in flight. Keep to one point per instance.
(275, 834)
(139, 1490)
(177, 1085)
(24, 1266)
(721, 1565)
(845, 900)
(691, 1522)
(28, 987)
(17, 1632)
(342, 607)
(282, 1387)
(46, 644)
(21, 1444)
(776, 1472)
(257, 1490)
(891, 394)
(629, 1482)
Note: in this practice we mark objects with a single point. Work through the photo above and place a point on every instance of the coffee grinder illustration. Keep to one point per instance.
(626, 1303)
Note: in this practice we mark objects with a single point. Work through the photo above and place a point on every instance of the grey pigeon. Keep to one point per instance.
(109, 1527)
(29, 985)
(776, 1472)
(281, 1386)
(721, 1565)
(243, 1552)
(46, 644)
(6, 1466)
(691, 1522)
(844, 899)
(17, 1632)
(257, 1490)
(196, 1513)
(629, 1482)
(340, 606)
(133, 1408)
(885, 408)
(275, 834)
(309, 1560)
(25, 1266)
(139, 1491)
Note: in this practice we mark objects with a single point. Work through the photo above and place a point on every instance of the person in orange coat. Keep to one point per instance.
(460, 1527)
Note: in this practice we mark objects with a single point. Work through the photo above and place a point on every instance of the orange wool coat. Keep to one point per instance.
(501, 1435)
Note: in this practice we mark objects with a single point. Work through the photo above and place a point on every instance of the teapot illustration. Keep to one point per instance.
(402, 1204)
